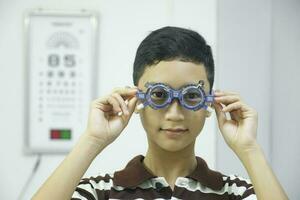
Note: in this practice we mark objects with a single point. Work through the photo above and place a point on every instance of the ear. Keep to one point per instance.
(208, 114)
(136, 111)
(208, 111)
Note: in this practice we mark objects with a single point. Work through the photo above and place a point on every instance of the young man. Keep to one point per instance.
(173, 77)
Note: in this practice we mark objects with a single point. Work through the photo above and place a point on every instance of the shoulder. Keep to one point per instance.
(236, 185)
(94, 187)
(236, 179)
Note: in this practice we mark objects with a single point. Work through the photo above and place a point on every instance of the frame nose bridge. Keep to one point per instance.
(175, 95)
(174, 110)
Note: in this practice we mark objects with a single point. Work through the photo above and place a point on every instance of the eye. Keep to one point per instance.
(193, 95)
(158, 95)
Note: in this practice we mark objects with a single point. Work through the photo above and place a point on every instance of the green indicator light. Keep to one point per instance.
(65, 134)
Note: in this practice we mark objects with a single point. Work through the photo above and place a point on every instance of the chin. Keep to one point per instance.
(172, 146)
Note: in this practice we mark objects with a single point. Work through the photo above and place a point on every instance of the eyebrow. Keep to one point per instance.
(190, 83)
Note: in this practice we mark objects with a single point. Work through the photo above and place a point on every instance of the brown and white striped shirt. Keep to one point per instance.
(136, 182)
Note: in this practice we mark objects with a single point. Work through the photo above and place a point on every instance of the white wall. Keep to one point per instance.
(122, 27)
(244, 49)
(285, 96)
(259, 55)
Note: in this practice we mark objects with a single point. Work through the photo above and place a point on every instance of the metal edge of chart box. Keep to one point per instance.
(60, 138)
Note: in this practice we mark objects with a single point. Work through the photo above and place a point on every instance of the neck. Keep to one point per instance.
(170, 165)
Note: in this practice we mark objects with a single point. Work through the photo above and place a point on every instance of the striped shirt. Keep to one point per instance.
(136, 182)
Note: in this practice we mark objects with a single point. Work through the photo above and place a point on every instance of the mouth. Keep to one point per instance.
(174, 132)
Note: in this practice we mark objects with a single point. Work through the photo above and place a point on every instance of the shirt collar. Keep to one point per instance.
(135, 173)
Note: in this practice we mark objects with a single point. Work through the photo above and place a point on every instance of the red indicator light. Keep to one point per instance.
(54, 134)
(63, 134)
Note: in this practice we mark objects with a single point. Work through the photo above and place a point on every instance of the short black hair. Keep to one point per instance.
(173, 43)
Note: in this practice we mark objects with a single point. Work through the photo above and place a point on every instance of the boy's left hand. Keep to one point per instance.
(240, 131)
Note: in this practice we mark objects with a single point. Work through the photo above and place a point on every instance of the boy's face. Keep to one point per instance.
(175, 74)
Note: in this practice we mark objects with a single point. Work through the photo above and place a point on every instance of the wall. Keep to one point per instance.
(285, 96)
(244, 45)
(258, 55)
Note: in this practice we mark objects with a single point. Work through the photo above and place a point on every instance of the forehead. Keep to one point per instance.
(175, 73)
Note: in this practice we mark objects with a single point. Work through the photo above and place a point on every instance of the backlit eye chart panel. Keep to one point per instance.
(60, 54)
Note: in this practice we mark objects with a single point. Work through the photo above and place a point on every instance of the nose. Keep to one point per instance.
(174, 111)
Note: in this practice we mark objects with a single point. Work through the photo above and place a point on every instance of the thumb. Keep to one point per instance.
(131, 105)
(219, 113)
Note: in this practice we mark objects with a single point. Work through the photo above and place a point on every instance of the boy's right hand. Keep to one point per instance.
(104, 123)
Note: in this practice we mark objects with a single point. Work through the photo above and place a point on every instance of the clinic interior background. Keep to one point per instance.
(256, 47)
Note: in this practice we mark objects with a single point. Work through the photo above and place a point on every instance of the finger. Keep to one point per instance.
(224, 93)
(122, 103)
(126, 92)
(102, 104)
(105, 108)
(235, 106)
(114, 102)
(111, 113)
(131, 86)
(232, 106)
(227, 99)
(235, 115)
(220, 115)
(131, 105)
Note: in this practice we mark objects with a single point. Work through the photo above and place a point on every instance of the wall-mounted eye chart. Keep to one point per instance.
(60, 54)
